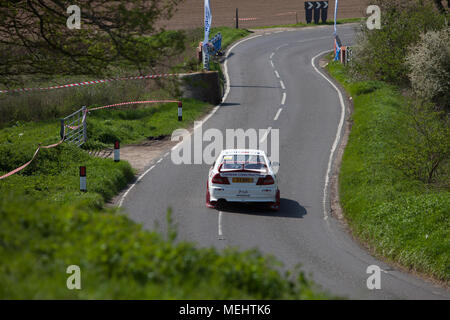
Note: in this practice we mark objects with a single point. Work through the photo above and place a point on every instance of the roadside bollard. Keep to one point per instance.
(116, 151)
(180, 111)
(83, 179)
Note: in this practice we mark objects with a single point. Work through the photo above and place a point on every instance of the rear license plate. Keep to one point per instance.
(242, 180)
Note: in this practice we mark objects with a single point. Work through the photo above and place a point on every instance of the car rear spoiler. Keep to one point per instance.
(242, 170)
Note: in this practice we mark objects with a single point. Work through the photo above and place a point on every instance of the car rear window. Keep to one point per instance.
(244, 162)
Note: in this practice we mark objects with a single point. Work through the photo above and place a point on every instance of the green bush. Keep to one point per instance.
(118, 259)
(380, 54)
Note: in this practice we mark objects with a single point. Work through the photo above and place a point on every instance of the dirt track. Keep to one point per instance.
(259, 12)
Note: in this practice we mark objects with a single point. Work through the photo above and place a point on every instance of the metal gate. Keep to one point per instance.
(73, 127)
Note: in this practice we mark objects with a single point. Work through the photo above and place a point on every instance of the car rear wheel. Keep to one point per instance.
(276, 206)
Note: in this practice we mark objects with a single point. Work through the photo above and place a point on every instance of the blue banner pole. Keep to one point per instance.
(335, 16)
(338, 49)
(208, 19)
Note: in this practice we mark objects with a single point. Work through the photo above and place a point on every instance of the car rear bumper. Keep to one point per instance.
(261, 194)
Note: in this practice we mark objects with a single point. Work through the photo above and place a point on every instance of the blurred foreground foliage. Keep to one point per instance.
(120, 260)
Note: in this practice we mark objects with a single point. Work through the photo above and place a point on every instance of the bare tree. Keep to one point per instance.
(35, 40)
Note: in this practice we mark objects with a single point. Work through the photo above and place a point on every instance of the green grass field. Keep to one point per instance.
(400, 218)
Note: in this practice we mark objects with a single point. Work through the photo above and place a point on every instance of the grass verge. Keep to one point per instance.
(398, 217)
(54, 172)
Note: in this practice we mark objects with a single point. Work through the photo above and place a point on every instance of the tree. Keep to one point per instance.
(425, 153)
(429, 67)
(380, 54)
(35, 39)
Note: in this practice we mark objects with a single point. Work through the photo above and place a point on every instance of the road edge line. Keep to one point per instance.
(336, 139)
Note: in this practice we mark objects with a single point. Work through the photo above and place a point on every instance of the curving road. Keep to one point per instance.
(273, 84)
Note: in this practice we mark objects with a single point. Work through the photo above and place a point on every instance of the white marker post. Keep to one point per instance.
(116, 151)
(180, 111)
(83, 179)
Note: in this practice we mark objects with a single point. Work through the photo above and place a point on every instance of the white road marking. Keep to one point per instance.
(337, 138)
(265, 135)
(283, 100)
(277, 74)
(271, 55)
(278, 31)
(132, 186)
(282, 85)
(219, 224)
(160, 159)
(271, 63)
(227, 91)
(279, 47)
(278, 114)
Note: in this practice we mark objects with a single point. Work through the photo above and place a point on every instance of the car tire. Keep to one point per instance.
(276, 206)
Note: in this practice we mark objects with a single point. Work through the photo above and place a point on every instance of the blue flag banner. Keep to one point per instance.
(335, 15)
(208, 19)
(217, 43)
(338, 51)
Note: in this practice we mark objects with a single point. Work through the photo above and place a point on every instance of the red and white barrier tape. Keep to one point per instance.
(286, 13)
(76, 127)
(34, 156)
(133, 102)
(85, 83)
(247, 19)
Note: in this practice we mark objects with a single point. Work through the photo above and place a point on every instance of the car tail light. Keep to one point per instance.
(265, 181)
(218, 179)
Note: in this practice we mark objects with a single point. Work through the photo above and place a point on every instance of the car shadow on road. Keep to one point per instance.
(260, 87)
(288, 209)
(229, 104)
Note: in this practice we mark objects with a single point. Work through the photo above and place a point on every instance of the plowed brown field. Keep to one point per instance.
(258, 12)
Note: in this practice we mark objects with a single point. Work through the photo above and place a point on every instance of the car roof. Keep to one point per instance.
(243, 151)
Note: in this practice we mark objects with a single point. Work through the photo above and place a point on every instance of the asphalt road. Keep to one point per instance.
(308, 124)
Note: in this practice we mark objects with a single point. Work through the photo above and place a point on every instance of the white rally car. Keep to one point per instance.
(242, 175)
